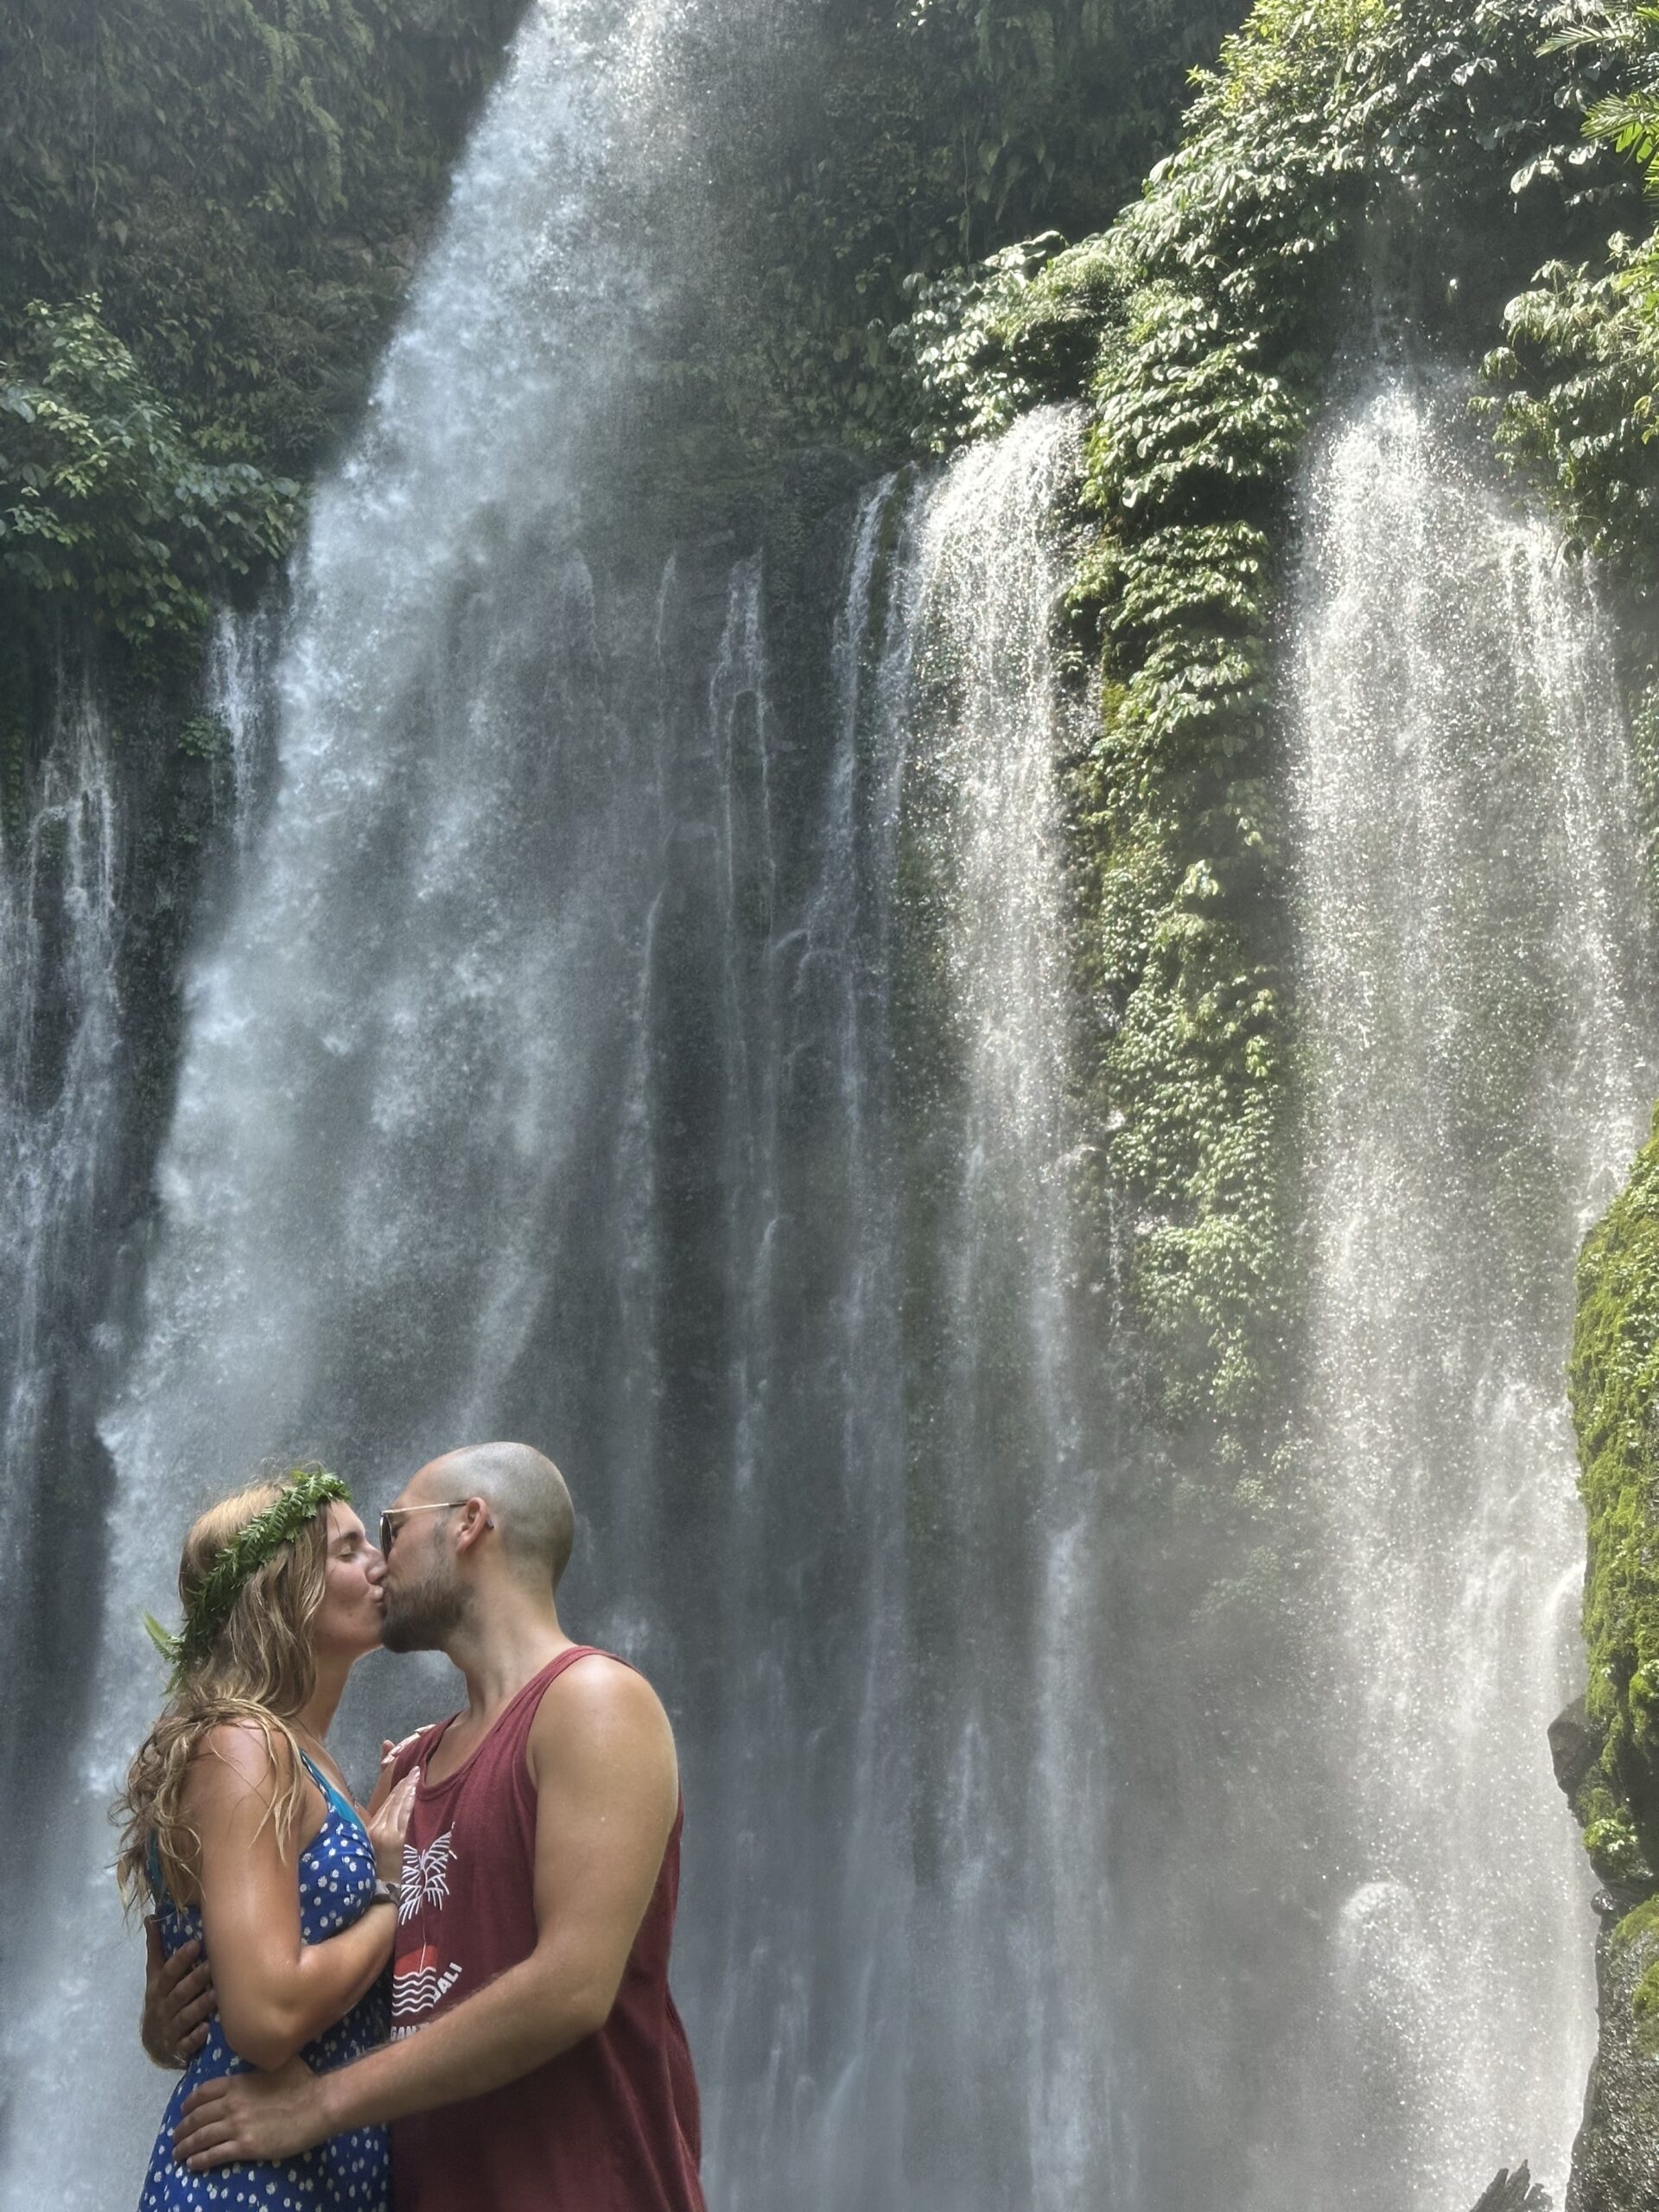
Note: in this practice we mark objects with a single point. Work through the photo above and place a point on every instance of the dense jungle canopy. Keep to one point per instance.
(211, 210)
(212, 206)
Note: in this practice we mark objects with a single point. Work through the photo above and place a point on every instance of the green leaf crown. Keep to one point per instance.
(306, 1492)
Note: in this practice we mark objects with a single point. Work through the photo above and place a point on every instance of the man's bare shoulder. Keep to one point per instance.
(596, 1708)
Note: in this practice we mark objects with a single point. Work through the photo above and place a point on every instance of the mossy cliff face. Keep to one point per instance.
(1607, 1747)
(1351, 166)
(1614, 1377)
(1333, 143)
(1616, 2159)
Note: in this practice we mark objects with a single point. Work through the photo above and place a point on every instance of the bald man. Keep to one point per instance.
(538, 2063)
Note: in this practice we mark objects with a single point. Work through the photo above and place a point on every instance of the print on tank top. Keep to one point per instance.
(417, 1979)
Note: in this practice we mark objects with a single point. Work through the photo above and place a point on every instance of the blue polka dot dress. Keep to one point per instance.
(348, 2173)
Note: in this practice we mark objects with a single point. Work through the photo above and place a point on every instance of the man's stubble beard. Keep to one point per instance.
(423, 1617)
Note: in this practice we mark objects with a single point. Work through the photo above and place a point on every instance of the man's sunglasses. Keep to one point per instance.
(394, 1514)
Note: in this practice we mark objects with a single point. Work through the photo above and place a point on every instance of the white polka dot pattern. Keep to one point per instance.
(348, 2173)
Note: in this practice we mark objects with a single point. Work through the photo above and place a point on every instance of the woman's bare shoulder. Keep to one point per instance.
(238, 1756)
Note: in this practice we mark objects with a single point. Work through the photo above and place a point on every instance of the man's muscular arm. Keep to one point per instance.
(178, 2001)
(602, 1758)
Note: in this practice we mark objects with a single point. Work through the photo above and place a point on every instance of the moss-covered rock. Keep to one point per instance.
(1615, 2157)
(1606, 1748)
(1614, 1380)
(1333, 139)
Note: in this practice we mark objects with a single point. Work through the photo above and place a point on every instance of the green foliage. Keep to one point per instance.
(1580, 366)
(981, 346)
(240, 184)
(204, 737)
(1635, 1933)
(307, 1491)
(1613, 1846)
(1630, 122)
(1578, 373)
(104, 501)
(245, 184)
(1226, 275)
(1634, 1927)
(1574, 398)
(1332, 138)
(884, 143)
(1628, 119)
(240, 179)
(1574, 407)
(1193, 439)
(1613, 1376)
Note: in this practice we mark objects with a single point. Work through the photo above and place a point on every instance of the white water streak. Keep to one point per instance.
(1471, 920)
(1022, 1925)
(59, 1028)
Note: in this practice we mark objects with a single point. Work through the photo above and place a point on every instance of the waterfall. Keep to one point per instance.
(57, 955)
(59, 1033)
(238, 703)
(1471, 932)
(639, 1024)
(1011, 1458)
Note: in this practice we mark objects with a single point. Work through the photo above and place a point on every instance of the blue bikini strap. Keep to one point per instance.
(330, 1793)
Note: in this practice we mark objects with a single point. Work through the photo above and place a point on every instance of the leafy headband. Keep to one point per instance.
(307, 1491)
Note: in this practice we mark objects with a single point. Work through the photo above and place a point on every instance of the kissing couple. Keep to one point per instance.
(452, 1997)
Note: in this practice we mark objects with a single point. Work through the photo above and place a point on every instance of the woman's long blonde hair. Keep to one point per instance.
(261, 1669)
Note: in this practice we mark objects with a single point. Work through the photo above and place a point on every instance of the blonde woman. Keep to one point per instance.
(241, 1835)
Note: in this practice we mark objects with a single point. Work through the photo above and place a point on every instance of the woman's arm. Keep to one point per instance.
(276, 1992)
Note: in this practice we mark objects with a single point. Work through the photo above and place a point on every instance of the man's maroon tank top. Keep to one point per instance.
(611, 2125)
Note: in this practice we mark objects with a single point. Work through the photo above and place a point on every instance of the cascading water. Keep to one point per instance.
(57, 954)
(238, 703)
(628, 1035)
(923, 1808)
(1008, 1461)
(1472, 935)
(58, 1037)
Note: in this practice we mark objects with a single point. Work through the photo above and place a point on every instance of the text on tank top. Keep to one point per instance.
(610, 2125)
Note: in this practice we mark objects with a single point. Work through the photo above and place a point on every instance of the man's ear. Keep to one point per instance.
(475, 1518)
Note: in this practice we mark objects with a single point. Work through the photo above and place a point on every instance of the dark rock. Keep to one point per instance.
(1616, 2159)
(1574, 1747)
(1514, 2191)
